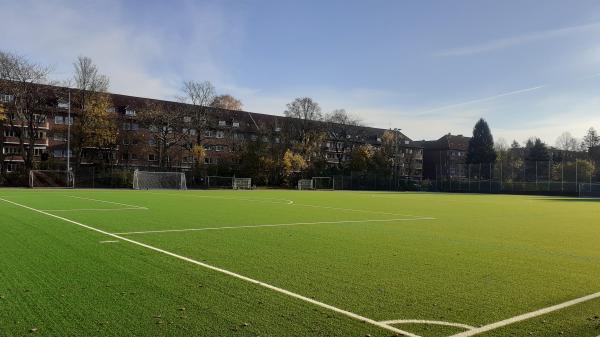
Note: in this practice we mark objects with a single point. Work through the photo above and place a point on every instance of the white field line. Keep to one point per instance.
(526, 316)
(422, 321)
(93, 209)
(108, 202)
(270, 225)
(226, 272)
(264, 200)
(109, 241)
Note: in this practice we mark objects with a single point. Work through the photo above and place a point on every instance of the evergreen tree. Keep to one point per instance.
(481, 146)
(537, 150)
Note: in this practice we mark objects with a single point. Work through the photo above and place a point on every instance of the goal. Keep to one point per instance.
(51, 179)
(219, 182)
(305, 184)
(322, 183)
(145, 180)
(589, 190)
(242, 183)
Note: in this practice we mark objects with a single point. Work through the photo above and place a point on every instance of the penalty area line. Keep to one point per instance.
(108, 202)
(270, 225)
(226, 272)
(526, 316)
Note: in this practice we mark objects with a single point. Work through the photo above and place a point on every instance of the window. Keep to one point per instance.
(265, 139)
(10, 133)
(219, 148)
(253, 137)
(277, 140)
(208, 134)
(151, 157)
(125, 141)
(406, 142)
(236, 124)
(39, 119)
(152, 142)
(133, 156)
(59, 120)
(277, 129)
(131, 126)
(135, 126)
(111, 110)
(4, 98)
(220, 134)
(210, 161)
(129, 112)
(63, 105)
(59, 136)
(193, 132)
(69, 120)
(187, 119)
(222, 123)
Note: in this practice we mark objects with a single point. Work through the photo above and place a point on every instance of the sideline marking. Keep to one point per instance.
(94, 209)
(526, 316)
(423, 321)
(109, 241)
(271, 225)
(108, 202)
(226, 272)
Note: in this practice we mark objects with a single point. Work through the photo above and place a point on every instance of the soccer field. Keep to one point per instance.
(290, 263)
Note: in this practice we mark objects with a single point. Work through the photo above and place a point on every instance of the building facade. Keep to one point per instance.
(445, 157)
(169, 143)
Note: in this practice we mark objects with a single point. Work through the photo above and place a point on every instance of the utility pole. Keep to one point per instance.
(69, 138)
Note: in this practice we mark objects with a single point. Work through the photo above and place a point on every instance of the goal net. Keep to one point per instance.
(322, 183)
(242, 183)
(51, 178)
(219, 182)
(305, 184)
(145, 180)
(589, 190)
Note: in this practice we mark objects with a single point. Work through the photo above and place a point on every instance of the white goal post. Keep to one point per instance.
(51, 179)
(242, 183)
(305, 184)
(146, 180)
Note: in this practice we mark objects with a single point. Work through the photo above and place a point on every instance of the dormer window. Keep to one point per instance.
(129, 112)
(63, 105)
(222, 123)
(187, 119)
(236, 124)
(5, 98)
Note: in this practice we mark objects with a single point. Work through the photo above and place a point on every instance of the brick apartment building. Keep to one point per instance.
(224, 136)
(445, 157)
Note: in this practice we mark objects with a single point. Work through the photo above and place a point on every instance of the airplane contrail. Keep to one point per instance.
(484, 99)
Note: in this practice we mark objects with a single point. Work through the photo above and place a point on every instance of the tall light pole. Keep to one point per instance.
(69, 137)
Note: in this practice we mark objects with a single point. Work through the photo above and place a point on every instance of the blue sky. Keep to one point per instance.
(531, 68)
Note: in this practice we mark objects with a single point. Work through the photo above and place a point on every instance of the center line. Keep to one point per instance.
(270, 225)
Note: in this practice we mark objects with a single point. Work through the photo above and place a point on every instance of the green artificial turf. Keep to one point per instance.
(470, 259)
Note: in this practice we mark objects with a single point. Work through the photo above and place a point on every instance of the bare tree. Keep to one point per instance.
(94, 126)
(87, 76)
(165, 124)
(25, 112)
(303, 128)
(226, 102)
(340, 126)
(199, 94)
(567, 142)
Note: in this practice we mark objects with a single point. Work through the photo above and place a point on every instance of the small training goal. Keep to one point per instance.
(316, 183)
(51, 179)
(146, 180)
(242, 183)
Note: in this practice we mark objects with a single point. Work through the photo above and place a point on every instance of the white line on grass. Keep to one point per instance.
(108, 202)
(226, 272)
(526, 316)
(94, 209)
(109, 241)
(270, 225)
(422, 321)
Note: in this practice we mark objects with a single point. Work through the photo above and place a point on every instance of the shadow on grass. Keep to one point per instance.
(574, 199)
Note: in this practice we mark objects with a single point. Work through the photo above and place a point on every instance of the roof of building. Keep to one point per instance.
(447, 142)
